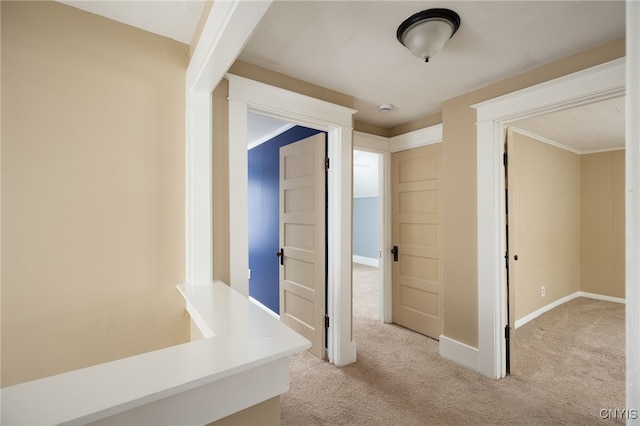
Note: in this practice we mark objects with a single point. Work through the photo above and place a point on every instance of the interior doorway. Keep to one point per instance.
(565, 212)
(368, 226)
(287, 224)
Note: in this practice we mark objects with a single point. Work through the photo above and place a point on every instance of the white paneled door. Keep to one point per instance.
(416, 236)
(302, 239)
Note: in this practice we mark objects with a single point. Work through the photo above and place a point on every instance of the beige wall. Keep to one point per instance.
(254, 72)
(544, 222)
(266, 413)
(602, 212)
(220, 152)
(92, 188)
(459, 186)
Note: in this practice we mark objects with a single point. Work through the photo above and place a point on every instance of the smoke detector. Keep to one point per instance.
(385, 108)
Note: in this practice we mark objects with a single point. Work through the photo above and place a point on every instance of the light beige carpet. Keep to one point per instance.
(567, 365)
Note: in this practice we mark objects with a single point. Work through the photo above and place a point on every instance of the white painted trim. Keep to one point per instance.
(248, 95)
(458, 352)
(601, 82)
(545, 140)
(227, 29)
(491, 248)
(198, 189)
(263, 97)
(386, 226)
(264, 308)
(596, 151)
(535, 314)
(369, 261)
(559, 145)
(604, 81)
(632, 207)
(602, 297)
(265, 138)
(341, 348)
(370, 142)
(192, 383)
(417, 138)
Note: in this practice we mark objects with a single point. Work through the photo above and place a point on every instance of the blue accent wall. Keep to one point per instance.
(365, 227)
(264, 215)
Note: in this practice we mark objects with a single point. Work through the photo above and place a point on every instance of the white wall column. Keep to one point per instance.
(238, 198)
(227, 29)
(198, 195)
(632, 189)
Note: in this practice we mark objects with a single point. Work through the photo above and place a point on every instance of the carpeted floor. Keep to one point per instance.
(567, 365)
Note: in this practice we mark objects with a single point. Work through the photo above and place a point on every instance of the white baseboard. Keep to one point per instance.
(370, 261)
(260, 305)
(535, 314)
(458, 352)
(602, 297)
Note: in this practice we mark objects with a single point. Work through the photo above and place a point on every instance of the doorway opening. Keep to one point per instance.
(565, 236)
(602, 82)
(287, 224)
(368, 231)
(246, 96)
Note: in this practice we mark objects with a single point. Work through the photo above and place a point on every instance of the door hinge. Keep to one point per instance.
(326, 321)
(505, 159)
(326, 164)
(506, 332)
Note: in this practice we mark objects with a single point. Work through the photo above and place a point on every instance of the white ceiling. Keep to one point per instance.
(594, 127)
(174, 19)
(351, 47)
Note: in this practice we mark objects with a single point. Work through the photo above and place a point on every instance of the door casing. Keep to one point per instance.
(601, 82)
(248, 95)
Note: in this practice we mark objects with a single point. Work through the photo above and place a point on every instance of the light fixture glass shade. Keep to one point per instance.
(425, 33)
(427, 38)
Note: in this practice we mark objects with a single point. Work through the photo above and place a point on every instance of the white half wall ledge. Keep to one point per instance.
(245, 362)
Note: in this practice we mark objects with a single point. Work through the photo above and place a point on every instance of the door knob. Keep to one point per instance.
(515, 257)
(394, 251)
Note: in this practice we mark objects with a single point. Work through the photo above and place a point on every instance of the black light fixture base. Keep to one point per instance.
(437, 13)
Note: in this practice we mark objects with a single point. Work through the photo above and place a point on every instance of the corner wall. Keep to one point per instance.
(92, 188)
(602, 227)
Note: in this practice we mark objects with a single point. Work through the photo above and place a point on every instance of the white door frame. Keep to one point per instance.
(380, 145)
(248, 95)
(632, 207)
(598, 83)
(386, 146)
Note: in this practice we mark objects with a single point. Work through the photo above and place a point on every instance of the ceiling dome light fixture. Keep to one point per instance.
(426, 32)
